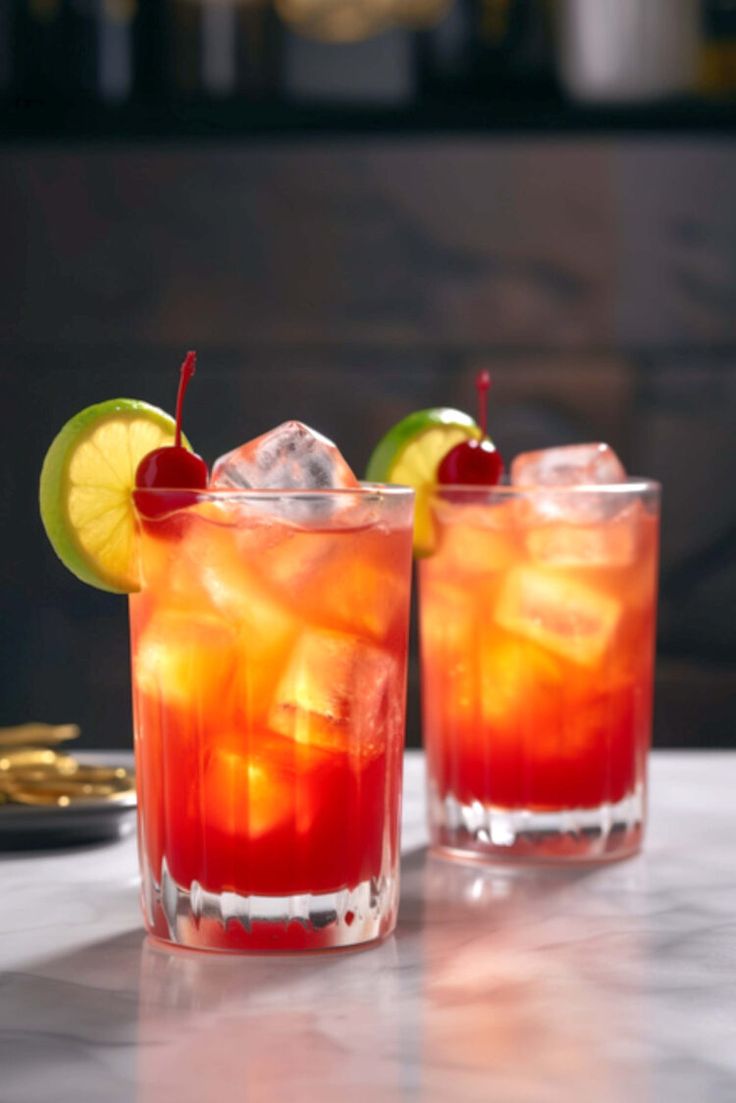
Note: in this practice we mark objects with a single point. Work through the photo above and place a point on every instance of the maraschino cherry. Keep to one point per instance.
(474, 462)
(172, 467)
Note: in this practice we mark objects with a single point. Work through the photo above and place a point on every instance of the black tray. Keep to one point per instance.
(27, 827)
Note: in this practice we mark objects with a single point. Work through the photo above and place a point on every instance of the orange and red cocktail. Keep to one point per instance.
(537, 632)
(269, 670)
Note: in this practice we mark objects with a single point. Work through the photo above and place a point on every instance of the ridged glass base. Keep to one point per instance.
(483, 832)
(231, 923)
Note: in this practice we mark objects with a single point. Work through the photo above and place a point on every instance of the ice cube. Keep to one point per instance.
(186, 659)
(613, 543)
(512, 672)
(566, 616)
(338, 692)
(562, 469)
(476, 539)
(368, 597)
(450, 618)
(572, 465)
(220, 565)
(484, 679)
(242, 598)
(290, 457)
(347, 582)
(247, 793)
(266, 628)
(215, 580)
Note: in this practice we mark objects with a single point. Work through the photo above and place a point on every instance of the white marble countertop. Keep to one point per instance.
(602, 985)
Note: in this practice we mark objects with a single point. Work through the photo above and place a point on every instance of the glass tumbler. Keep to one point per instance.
(537, 620)
(269, 645)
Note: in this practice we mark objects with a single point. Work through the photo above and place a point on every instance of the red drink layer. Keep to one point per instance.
(537, 634)
(269, 667)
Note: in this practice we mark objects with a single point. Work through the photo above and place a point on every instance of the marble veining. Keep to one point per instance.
(611, 985)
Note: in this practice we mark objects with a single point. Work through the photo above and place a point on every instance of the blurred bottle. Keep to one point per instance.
(114, 23)
(628, 51)
(72, 49)
(221, 48)
(481, 46)
(718, 52)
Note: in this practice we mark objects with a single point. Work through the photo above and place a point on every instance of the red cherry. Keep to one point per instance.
(173, 467)
(472, 463)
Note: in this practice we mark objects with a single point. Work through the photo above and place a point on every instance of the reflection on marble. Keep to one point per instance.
(604, 985)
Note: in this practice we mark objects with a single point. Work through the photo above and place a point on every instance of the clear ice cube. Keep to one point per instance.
(561, 470)
(338, 692)
(568, 617)
(572, 465)
(290, 457)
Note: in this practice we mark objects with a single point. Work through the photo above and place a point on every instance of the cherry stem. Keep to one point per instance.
(483, 386)
(186, 372)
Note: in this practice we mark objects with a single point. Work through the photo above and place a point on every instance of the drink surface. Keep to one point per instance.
(537, 633)
(269, 668)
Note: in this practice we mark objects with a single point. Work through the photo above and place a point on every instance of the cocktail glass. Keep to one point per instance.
(269, 645)
(537, 619)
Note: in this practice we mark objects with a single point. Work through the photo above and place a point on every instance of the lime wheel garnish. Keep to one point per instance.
(86, 486)
(410, 454)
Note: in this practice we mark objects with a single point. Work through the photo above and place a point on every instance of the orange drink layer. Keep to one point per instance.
(537, 631)
(269, 645)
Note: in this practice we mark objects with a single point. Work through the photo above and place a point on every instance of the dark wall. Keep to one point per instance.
(347, 284)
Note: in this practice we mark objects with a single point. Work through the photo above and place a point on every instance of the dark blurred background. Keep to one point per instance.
(349, 207)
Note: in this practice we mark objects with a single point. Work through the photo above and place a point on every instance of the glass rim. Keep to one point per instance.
(632, 485)
(364, 490)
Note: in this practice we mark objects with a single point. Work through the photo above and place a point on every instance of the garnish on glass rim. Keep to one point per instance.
(171, 467)
(474, 462)
(87, 484)
(409, 453)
